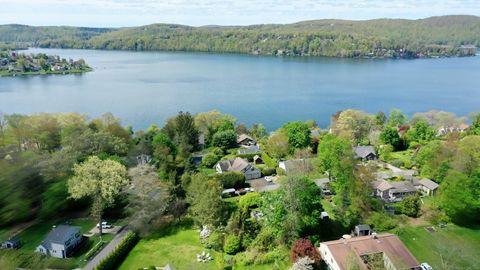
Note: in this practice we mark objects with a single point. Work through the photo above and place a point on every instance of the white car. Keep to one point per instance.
(425, 266)
(105, 225)
(268, 178)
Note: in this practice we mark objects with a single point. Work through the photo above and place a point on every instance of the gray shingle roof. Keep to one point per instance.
(364, 151)
(244, 137)
(61, 234)
(250, 149)
(428, 184)
(235, 165)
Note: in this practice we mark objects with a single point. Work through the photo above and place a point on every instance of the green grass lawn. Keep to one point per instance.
(405, 156)
(453, 246)
(179, 250)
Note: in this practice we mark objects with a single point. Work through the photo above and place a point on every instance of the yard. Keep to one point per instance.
(179, 250)
(405, 156)
(452, 247)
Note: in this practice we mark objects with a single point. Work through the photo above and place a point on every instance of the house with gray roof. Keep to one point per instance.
(245, 140)
(427, 186)
(238, 165)
(61, 241)
(365, 153)
(295, 166)
(394, 191)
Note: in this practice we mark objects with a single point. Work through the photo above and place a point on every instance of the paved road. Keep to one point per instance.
(106, 250)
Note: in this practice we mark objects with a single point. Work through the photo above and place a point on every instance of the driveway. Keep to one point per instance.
(106, 250)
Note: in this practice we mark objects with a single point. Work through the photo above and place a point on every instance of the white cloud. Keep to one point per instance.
(201, 12)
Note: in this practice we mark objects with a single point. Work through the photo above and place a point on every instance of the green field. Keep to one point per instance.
(452, 247)
(179, 250)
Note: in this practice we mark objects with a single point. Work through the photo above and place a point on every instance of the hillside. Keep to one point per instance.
(389, 38)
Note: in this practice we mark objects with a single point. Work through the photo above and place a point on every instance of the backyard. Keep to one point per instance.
(178, 249)
(436, 247)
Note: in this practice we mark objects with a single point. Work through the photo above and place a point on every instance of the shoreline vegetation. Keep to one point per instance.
(434, 37)
(13, 64)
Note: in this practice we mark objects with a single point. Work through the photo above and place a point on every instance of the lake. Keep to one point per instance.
(147, 87)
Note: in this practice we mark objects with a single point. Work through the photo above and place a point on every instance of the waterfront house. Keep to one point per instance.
(365, 153)
(245, 140)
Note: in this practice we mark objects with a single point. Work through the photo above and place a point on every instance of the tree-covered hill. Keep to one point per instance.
(391, 38)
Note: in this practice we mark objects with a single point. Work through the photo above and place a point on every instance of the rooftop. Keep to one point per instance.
(388, 244)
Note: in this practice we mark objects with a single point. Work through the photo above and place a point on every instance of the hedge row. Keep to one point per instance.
(113, 260)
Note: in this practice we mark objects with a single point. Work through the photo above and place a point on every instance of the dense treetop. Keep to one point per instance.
(390, 38)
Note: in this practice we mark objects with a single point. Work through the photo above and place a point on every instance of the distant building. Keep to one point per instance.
(257, 160)
(444, 130)
(365, 153)
(341, 254)
(61, 241)
(238, 165)
(250, 149)
(426, 186)
(245, 140)
(363, 230)
(12, 243)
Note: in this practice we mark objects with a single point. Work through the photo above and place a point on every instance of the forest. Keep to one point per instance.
(382, 38)
(55, 165)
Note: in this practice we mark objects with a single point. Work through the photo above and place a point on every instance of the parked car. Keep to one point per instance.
(425, 266)
(268, 178)
(105, 225)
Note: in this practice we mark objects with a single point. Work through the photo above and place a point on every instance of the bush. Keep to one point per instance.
(94, 250)
(276, 255)
(268, 171)
(231, 179)
(116, 257)
(244, 258)
(270, 162)
(247, 156)
(410, 206)
(265, 240)
(280, 171)
(232, 244)
(381, 221)
(217, 151)
(210, 160)
(225, 139)
(215, 241)
(302, 248)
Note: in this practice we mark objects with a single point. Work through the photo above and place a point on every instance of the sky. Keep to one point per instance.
(119, 13)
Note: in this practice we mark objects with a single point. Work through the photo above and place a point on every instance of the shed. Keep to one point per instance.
(362, 230)
(12, 243)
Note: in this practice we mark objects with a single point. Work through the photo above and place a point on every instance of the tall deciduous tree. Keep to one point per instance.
(204, 197)
(100, 180)
(298, 134)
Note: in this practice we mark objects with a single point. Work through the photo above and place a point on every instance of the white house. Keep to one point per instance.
(238, 165)
(61, 241)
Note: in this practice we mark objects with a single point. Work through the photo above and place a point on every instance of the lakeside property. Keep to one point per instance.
(14, 63)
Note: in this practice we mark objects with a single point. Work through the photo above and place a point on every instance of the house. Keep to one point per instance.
(341, 254)
(250, 149)
(61, 241)
(238, 165)
(257, 160)
(426, 186)
(393, 191)
(444, 130)
(245, 140)
(362, 230)
(365, 153)
(12, 243)
(295, 166)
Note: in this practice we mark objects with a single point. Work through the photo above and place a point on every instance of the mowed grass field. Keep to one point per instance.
(179, 250)
(452, 247)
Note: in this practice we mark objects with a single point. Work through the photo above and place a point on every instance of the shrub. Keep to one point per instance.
(249, 200)
(244, 259)
(210, 160)
(268, 171)
(382, 221)
(231, 179)
(270, 162)
(116, 257)
(217, 151)
(276, 255)
(215, 241)
(302, 248)
(410, 206)
(280, 171)
(232, 244)
(265, 240)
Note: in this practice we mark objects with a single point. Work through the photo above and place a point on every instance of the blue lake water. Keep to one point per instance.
(147, 87)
